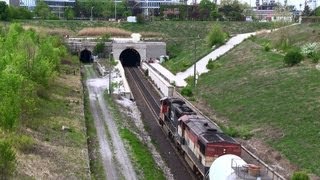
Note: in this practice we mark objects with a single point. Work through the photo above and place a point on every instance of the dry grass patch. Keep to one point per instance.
(99, 31)
(54, 31)
(152, 34)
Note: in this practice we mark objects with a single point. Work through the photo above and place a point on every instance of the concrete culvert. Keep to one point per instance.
(130, 57)
(86, 56)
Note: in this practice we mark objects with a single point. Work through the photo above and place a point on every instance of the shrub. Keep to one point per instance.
(213, 64)
(99, 49)
(309, 49)
(23, 143)
(146, 72)
(315, 57)
(267, 47)
(293, 57)
(187, 91)
(300, 175)
(7, 160)
(140, 19)
(216, 36)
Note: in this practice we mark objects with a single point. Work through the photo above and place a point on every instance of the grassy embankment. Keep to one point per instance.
(51, 152)
(260, 95)
(180, 36)
(140, 155)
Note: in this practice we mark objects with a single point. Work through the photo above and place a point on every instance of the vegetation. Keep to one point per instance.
(293, 57)
(36, 104)
(187, 91)
(216, 36)
(7, 160)
(142, 156)
(300, 175)
(275, 103)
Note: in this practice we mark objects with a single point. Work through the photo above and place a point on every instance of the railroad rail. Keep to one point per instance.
(152, 101)
(270, 171)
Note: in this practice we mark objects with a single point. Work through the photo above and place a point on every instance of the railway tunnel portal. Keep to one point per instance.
(130, 57)
(129, 51)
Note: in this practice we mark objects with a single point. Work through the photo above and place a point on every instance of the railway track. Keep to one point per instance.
(144, 90)
(148, 102)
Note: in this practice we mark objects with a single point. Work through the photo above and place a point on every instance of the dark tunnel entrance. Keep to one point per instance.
(86, 56)
(130, 57)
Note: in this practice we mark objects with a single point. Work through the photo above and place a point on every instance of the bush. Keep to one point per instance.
(99, 49)
(310, 49)
(267, 47)
(140, 19)
(216, 36)
(7, 160)
(213, 64)
(300, 175)
(315, 57)
(293, 57)
(23, 143)
(187, 91)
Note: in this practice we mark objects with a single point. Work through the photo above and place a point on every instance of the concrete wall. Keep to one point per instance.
(164, 86)
(155, 50)
(146, 50)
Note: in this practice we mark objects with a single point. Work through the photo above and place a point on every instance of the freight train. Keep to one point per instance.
(197, 138)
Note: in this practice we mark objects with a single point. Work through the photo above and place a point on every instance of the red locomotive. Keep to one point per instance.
(198, 138)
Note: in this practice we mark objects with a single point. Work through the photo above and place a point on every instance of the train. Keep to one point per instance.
(197, 138)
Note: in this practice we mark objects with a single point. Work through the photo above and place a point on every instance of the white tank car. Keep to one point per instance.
(232, 167)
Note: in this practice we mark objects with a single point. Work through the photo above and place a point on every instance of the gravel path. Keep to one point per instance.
(113, 146)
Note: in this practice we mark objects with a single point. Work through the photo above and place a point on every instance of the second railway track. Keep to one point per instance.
(147, 100)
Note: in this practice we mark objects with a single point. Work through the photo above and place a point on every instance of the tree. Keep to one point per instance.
(4, 14)
(306, 11)
(317, 11)
(232, 10)
(42, 10)
(208, 10)
(69, 13)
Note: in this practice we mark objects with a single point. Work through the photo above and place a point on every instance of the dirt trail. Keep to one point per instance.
(120, 166)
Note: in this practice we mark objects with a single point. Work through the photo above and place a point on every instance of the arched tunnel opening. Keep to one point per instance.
(130, 58)
(86, 56)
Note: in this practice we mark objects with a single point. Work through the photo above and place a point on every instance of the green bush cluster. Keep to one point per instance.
(213, 64)
(28, 62)
(300, 175)
(267, 47)
(293, 57)
(7, 160)
(216, 36)
(187, 91)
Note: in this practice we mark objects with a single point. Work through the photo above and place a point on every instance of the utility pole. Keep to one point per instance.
(195, 65)
(110, 72)
(115, 10)
(91, 17)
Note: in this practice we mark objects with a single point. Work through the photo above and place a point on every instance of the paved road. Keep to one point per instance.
(202, 63)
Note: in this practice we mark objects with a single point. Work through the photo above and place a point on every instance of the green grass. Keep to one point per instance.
(254, 90)
(142, 156)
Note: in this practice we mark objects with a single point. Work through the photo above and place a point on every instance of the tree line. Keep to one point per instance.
(232, 10)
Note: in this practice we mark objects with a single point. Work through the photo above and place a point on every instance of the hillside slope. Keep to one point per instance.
(252, 91)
